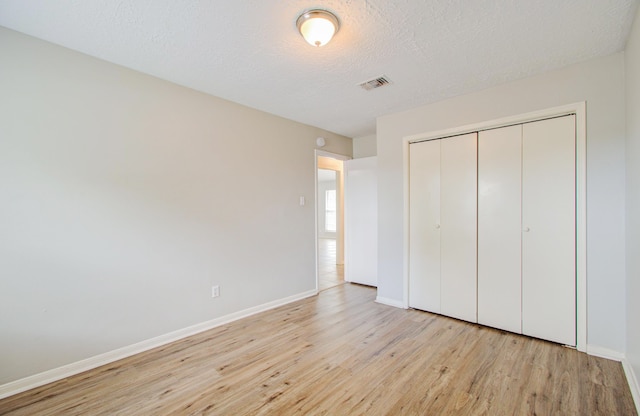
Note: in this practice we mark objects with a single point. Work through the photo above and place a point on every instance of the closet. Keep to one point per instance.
(443, 246)
(492, 228)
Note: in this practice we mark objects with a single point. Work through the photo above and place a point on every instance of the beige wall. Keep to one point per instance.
(632, 55)
(124, 198)
(364, 146)
(598, 82)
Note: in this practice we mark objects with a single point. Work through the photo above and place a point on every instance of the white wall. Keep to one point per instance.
(364, 146)
(632, 55)
(599, 82)
(123, 198)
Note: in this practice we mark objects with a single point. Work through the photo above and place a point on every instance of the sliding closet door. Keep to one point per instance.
(458, 216)
(548, 237)
(424, 240)
(499, 228)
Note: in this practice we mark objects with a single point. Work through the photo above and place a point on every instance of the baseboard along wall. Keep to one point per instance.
(390, 302)
(78, 367)
(632, 379)
(49, 376)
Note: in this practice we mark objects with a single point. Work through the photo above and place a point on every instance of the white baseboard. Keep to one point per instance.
(78, 367)
(634, 386)
(390, 302)
(603, 352)
(632, 380)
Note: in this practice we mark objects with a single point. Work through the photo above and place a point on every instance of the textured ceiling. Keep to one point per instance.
(249, 51)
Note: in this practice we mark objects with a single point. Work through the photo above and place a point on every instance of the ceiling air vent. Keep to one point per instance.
(377, 82)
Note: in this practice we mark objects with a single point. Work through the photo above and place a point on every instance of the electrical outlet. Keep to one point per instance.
(215, 291)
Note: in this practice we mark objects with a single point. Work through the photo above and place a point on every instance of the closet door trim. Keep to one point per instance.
(579, 109)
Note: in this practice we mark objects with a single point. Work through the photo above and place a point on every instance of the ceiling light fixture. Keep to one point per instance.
(317, 26)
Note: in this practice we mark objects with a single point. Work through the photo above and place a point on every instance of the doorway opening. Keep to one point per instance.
(330, 219)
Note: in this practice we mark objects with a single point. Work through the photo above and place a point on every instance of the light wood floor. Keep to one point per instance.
(330, 274)
(342, 354)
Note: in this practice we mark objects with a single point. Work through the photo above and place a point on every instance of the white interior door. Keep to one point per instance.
(458, 216)
(361, 221)
(548, 238)
(499, 228)
(424, 234)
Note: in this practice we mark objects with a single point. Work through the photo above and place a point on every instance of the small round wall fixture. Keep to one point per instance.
(318, 26)
(320, 141)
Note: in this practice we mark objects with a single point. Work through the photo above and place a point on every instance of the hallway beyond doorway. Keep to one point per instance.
(330, 274)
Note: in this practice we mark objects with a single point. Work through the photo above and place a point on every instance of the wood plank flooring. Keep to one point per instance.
(330, 274)
(342, 354)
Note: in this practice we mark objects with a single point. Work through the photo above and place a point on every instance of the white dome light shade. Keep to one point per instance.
(317, 27)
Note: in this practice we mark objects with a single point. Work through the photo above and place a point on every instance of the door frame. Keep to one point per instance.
(340, 221)
(580, 111)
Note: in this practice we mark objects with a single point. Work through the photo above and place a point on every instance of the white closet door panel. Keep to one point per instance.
(424, 208)
(458, 205)
(548, 238)
(499, 225)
